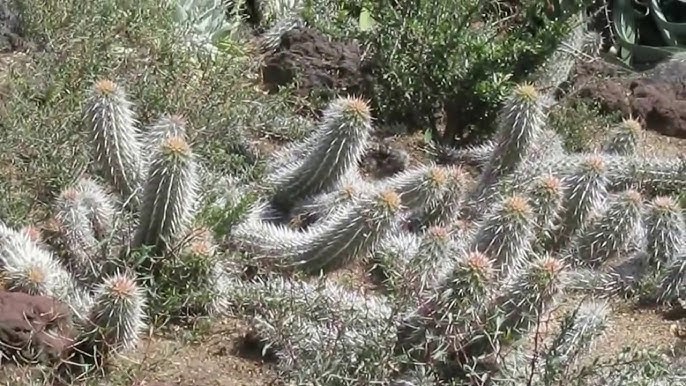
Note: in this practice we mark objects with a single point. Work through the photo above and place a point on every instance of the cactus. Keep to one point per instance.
(666, 230)
(470, 265)
(507, 234)
(520, 124)
(112, 125)
(546, 195)
(75, 222)
(584, 197)
(114, 324)
(349, 233)
(612, 231)
(337, 146)
(170, 195)
(623, 138)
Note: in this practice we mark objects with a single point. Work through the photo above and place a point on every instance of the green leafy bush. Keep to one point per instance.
(462, 56)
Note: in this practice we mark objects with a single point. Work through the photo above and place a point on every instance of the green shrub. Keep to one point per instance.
(462, 56)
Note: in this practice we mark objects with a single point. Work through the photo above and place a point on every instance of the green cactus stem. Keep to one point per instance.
(335, 149)
(623, 138)
(507, 233)
(112, 126)
(170, 195)
(612, 232)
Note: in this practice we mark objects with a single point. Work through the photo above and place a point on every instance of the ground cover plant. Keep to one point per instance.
(173, 208)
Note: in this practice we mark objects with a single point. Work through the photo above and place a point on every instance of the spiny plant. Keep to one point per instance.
(470, 265)
(101, 247)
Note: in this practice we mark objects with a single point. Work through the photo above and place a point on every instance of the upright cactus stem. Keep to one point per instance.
(507, 234)
(584, 197)
(665, 230)
(112, 126)
(546, 195)
(520, 124)
(624, 138)
(170, 195)
(114, 325)
(336, 147)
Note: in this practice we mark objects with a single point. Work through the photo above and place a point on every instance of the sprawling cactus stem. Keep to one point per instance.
(350, 233)
(665, 230)
(468, 284)
(507, 234)
(612, 232)
(525, 299)
(336, 148)
(28, 268)
(673, 278)
(117, 318)
(578, 332)
(169, 196)
(546, 196)
(623, 139)
(78, 236)
(112, 126)
(325, 204)
(520, 124)
(445, 208)
(584, 197)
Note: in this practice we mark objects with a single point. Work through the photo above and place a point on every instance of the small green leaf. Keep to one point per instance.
(366, 20)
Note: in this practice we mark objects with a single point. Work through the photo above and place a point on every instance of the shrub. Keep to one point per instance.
(462, 57)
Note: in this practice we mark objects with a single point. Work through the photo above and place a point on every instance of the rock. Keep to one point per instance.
(33, 328)
(11, 35)
(656, 97)
(316, 64)
(662, 106)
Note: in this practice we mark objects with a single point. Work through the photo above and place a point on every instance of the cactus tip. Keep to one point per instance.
(358, 107)
(551, 184)
(437, 175)
(551, 266)
(527, 92)
(517, 205)
(633, 196)
(70, 194)
(479, 262)
(631, 125)
(594, 163)
(122, 287)
(390, 200)
(36, 275)
(665, 203)
(438, 233)
(105, 87)
(176, 146)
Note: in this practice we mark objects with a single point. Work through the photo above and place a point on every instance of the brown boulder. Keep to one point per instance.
(317, 65)
(657, 97)
(33, 328)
